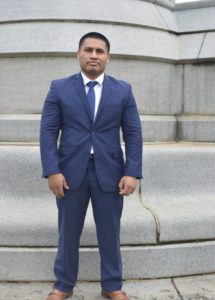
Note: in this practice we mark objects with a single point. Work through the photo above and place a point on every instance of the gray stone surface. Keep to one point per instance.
(143, 13)
(160, 289)
(183, 219)
(19, 128)
(178, 181)
(189, 20)
(166, 3)
(40, 37)
(158, 128)
(179, 171)
(157, 86)
(28, 209)
(208, 48)
(196, 128)
(36, 264)
(63, 37)
(199, 89)
(179, 189)
(25, 128)
(194, 4)
(168, 17)
(190, 46)
(29, 80)
(191, 287)
(197, 287)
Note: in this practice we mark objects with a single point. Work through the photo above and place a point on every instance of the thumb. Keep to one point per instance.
(121, 184)
(65, 185)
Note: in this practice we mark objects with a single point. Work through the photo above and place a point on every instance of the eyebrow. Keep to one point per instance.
(91, 48)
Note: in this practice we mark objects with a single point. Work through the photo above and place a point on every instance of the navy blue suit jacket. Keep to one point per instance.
(68, 131)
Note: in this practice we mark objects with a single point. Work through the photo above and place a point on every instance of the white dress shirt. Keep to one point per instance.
(97, 89)
(98, 92)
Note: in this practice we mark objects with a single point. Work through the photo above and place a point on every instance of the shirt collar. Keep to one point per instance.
(99, 79)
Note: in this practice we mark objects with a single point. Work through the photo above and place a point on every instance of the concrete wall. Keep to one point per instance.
(162, 49)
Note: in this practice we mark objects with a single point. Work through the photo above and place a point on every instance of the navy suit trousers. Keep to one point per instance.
(107, 210)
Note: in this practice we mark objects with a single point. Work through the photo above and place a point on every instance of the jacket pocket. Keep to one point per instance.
(117, 153)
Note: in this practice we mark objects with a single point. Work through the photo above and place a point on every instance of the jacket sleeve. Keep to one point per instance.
(132, 136)
(49, 132)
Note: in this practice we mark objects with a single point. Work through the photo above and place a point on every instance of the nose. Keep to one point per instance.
(94, 54)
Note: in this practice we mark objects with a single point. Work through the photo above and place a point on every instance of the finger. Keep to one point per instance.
(129, 190)
(58, 191)
(125, 190)
(65, 185)
(61, 192)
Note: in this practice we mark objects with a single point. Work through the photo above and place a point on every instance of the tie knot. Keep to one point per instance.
(91, 84)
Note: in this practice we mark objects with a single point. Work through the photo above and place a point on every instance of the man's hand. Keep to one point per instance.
(127, 185)
(57, 183)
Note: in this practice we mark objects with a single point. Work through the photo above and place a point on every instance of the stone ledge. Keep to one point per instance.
(36, 264)
(158, 128)
(196, 128)
(143, 13)
(25, 128)
(154, 94)
(35, 223)
(189, 20)
(176, 178)
(19, 128)
(179, 189)
(64, 37)
(35, 217)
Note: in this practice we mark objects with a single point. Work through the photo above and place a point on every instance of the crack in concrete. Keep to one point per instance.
(176, 288)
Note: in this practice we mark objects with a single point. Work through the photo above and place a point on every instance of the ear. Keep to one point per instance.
(77, 54)
(108, 59)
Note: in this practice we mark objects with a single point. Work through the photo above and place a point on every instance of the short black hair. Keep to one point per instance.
(95, 35)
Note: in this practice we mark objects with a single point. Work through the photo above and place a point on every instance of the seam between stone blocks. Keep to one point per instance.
(203, 40)
(147, 207)
(162, 18)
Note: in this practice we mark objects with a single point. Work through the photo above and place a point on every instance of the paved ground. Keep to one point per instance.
(183, 288)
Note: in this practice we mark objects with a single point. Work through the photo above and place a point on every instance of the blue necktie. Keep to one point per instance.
(91, 96)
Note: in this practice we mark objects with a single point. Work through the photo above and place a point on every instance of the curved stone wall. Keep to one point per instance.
(167, 52)
(39, 42)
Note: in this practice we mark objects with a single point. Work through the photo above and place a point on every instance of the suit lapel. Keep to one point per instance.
(79, 85)
(106, 91)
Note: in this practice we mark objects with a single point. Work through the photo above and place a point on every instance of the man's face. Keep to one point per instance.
(93, 57)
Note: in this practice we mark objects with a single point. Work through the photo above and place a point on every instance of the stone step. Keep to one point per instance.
(195, 128)
(177, 201)
(158, 261)
(160, 226)
(35, 217)
(179, 189)
(25, 128)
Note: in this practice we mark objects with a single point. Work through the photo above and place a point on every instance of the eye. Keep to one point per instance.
(88, 50)
(100, 51)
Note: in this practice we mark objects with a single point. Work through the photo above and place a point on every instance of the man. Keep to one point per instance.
(88, 109)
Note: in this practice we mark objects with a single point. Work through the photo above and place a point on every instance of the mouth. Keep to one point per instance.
(92, 63)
